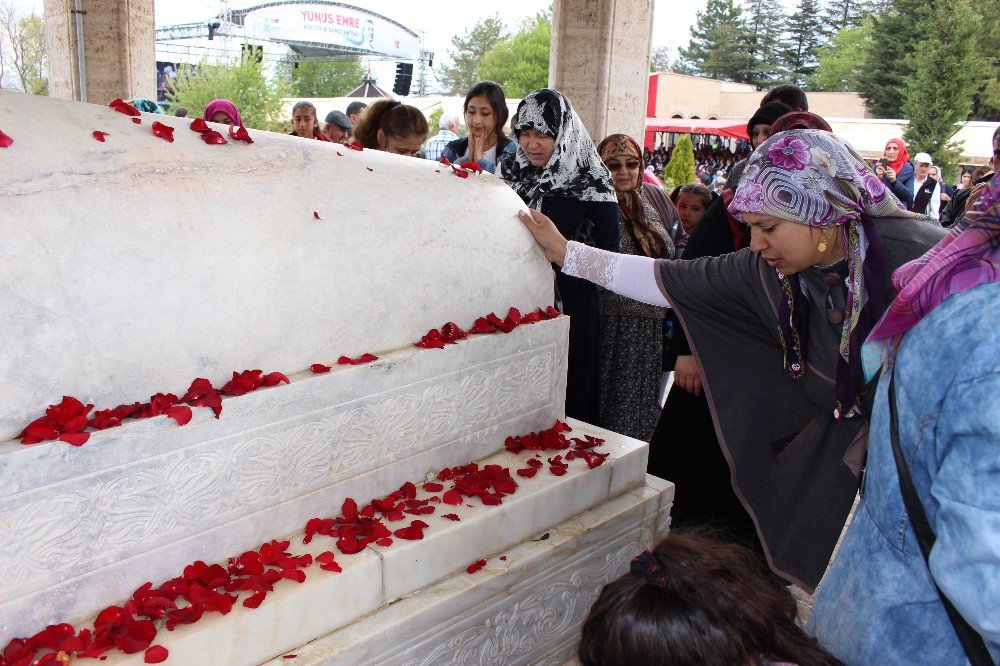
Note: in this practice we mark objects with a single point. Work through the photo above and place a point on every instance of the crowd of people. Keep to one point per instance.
(823, 317)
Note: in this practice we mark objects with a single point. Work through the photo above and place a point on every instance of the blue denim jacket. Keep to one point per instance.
(877, 604)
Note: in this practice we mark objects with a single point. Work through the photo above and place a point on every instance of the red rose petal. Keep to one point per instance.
(99, 135)
(289, 656)
(433, 487)
(122, 106)
(475, 566)
(319, 368)
(137, 121)
(316, 216)
(354, 146)
(461, 173)
(75, 438)
(165, 132)
(452, 497)
(445, 161)
(273, 379)
(212, 137)
(385, 542)
(180, 414)
(199, 125)
(472, 166)
(239, 133)
(451, 516)
(156, 655)
(503, 558)
(527, 472)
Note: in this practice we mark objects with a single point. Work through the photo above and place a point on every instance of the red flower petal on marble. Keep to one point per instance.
(451, 516)
(239, 133)
(364, 358)
(549, 312)
(451, 332)
(415, 532)
(180, 414)
(483, 326)
(472, 166)
(273, 379)
(319, 368)
(201, 393)
(534, 462)
(289, 656)
(137, 121)
(433, 487)
(156, 655)
(104, 419)
(431, 340)
(355, 146)
(7, 142)
(75, 438)
(339, 154)
(326, 562)
(531, 318)
(452, 497)
(445, 161)
(384, 542)
(504, 325)
(165, 132)
(99, 135)
(199, 125)
(316, 216)
(212, 137)
(503, 558)
(527, 472)
(475, 566)
(461, 173)
(122, 106)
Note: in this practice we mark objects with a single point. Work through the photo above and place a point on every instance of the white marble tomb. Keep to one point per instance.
(135, 265)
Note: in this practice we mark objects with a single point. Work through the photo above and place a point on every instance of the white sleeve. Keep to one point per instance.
(627, 275)
(935, 207)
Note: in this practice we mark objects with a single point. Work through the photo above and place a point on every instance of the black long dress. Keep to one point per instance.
(684, 448)
(580, 299)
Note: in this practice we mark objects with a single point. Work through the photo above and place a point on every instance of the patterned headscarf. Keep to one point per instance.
(574, 171)
(813, 177)
(630, 203)
(967, 257)
(226, 107)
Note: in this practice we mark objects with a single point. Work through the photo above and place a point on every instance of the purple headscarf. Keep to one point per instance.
(226, 107)
(813, 177)
(967, 257)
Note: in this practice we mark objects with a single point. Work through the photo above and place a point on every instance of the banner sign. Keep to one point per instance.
(334, 26)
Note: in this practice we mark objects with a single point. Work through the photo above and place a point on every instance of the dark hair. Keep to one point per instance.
(494, 93)
(711, 603)
(355, 107)
(788, 93)
(393, 118)
(996, 133)
(181, 112)
(698, 190)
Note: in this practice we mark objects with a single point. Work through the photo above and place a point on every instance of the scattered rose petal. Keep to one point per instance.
(75, 438)
(445, 161)
(156, 655)
(354, 146)
(289, 656)
(199, 125)
(326, 562)
(122, 106)
(212, 137)
(472, 166)
(339, 154)
(137, 121)
(384, 542)
(527, 472)
(369, 168)
(239, 133)
(320, 368)
(316, 216)
(202, 394)
(364, 358)
(433, 487)
(503, 558)
(452, 497)
(99, 135)
(451, 516)
(475, 566)
(165, 132)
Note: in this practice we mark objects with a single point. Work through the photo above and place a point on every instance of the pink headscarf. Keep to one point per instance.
(226, 107)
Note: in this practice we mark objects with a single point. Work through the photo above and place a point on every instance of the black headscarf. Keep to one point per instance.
(574, 171)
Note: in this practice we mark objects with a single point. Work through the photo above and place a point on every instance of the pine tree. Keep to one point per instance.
(805, 37)
(467, 54)
(987, 100)
(718, 41)
(838, 69)
(840, 14)
(887, 63)
(765, 26)
(948, 71)
(680, 168)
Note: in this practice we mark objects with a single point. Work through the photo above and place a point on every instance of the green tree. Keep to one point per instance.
(22, 51)
(765, 41)
(520, 64)
(840, 14)
(717, 45)
(838, 69)
(332, 78)
(434, 121)
(948, 71)
(887, 62)
(805, 36)
(660, 60)
(243, 83)
(987, 100)
(680, 168)
(468, 53)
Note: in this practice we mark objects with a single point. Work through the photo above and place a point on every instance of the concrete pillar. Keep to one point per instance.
(119, 51)
(600, 59)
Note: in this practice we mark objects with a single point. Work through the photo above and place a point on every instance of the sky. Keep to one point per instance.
(437, 21)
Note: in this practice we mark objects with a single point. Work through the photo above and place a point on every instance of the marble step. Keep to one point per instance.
(294, 614)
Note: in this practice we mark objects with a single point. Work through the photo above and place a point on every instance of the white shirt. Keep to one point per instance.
(934, 206)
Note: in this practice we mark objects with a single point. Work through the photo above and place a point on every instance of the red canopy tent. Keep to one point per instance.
(730, 129)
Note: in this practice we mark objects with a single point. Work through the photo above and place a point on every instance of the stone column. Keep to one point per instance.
(119, 51)
(600, 60)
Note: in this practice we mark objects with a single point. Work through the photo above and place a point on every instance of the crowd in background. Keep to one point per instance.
(801, 246)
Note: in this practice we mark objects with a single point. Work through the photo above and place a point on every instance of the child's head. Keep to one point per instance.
(699, 601)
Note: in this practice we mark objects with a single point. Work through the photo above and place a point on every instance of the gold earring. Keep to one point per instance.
(822, 241)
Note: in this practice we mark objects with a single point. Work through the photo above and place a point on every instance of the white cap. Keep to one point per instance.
(922, 158)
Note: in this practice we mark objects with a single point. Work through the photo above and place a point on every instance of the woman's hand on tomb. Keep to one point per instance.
(545, 232)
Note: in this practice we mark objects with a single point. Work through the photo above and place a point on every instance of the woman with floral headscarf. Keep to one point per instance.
(632, 332)
(777, 327)
(557, 170)
(879, 603)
